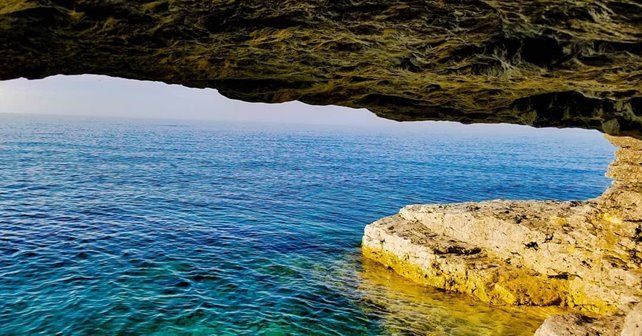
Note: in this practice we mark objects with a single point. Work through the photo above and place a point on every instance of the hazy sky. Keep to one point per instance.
(114, 97)
(106, 96)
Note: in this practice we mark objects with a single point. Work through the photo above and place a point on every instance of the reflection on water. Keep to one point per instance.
(412, 309)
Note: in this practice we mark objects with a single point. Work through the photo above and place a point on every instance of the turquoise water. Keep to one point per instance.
(113, 227)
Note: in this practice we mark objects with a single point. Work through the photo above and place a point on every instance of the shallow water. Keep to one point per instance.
(112, 227)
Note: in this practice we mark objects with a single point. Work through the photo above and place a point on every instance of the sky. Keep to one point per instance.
(102, 96)
(106, 96)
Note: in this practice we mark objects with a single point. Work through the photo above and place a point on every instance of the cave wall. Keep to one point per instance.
(544, 63)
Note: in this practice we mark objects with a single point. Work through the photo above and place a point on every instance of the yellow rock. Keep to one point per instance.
(582, 255)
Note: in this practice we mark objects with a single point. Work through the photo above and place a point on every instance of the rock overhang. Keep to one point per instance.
(543, 63)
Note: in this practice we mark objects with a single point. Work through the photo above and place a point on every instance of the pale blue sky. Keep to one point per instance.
(115, 97)
(91, 95)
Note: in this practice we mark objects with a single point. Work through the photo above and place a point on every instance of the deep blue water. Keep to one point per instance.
(112, 227)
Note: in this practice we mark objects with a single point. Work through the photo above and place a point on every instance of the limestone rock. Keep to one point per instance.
(633, 322)
(623, 324)
(534, 253)
(585, 255)
(561, 63)
(434, 259)
(579, 325)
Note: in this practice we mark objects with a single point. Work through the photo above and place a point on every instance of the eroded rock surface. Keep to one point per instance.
(581, 325)
(622, 323)
(633, 322)
(513, 252)
(583, 255)
(558, 63)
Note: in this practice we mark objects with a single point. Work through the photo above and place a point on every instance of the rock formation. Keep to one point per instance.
(576, 324)
(545, 63)
(583, 255)
(554, 63)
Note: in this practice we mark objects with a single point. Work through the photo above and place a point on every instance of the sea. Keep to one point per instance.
(164, 227)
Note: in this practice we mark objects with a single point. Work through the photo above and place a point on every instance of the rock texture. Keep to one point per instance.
(633, 322)
(512, 252)
(582, 255)
(567, 63)
(576, 324)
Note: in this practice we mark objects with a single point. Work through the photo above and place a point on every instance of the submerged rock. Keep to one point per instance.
(421, 310)
(582, 255)
(543, 63)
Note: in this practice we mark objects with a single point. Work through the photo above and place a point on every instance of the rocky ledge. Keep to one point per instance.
(585, 255)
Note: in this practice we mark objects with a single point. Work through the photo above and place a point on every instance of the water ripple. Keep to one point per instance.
(111, 228)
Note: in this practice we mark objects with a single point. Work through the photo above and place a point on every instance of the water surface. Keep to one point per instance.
(114, 227)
